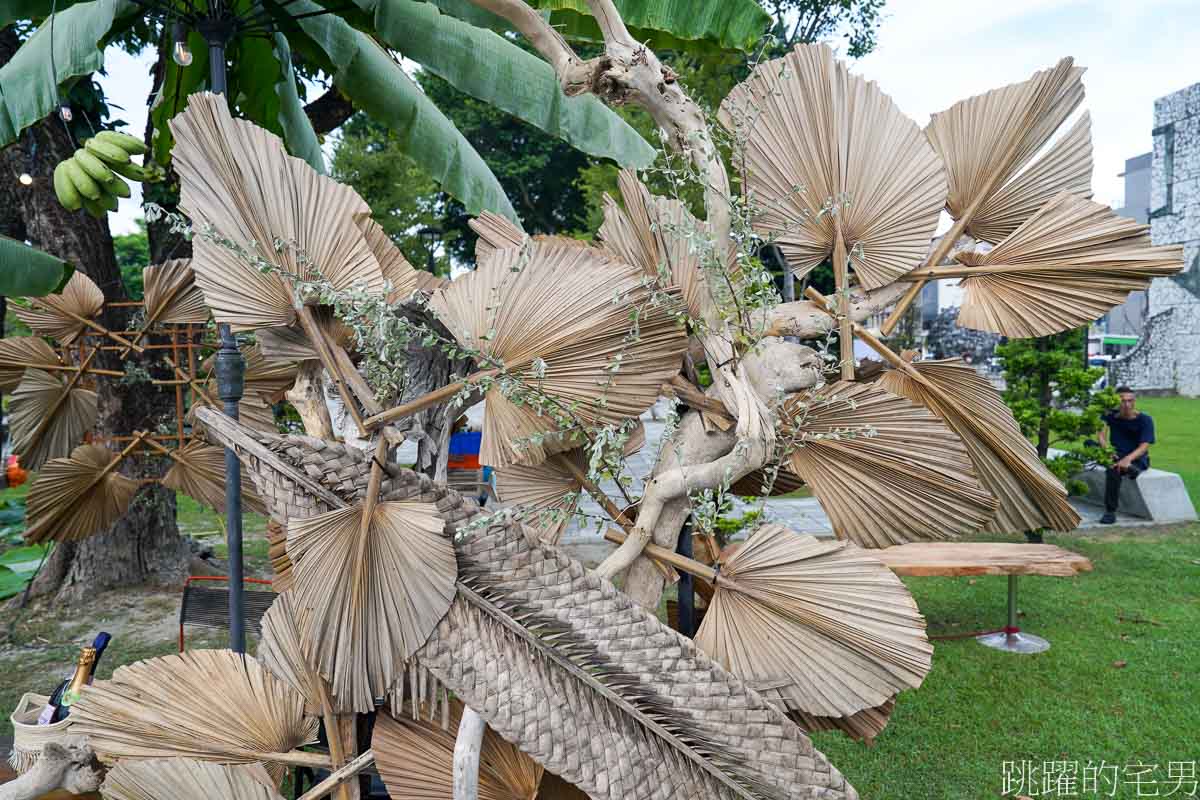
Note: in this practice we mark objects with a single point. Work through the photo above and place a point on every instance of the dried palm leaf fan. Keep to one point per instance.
(819, 628)
(1066, 265)
(886, 470)
(293, 345)
(559, 316)
(49, 416)
(199, 472)
(238, 183)
(550, 490)
(495, 233)
(187, 779)
(281, 563)
(863, 726)
(403, 277)
(872, 185)
(987, 143)
(64, 317)
(1030, 496)
(657, 232)
(171, 296)
(1004, 460)
(530, 667)
(416, 760)
(211, 705)
(78, 496)
(372, 581)
(32, 352)
(253, 411)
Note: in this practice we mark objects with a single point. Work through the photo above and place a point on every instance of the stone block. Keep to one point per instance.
(1156, 495)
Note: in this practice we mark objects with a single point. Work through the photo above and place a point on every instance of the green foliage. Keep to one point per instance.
(728, 526)
(132, 251)
(795, 21)
(28, 272)
(1050, 394)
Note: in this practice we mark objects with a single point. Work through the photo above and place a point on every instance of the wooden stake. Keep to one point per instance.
(427, 400)
(339, 776)
(668, 556)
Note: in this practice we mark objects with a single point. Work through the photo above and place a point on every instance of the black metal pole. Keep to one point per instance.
(686, 603)
(231, 381)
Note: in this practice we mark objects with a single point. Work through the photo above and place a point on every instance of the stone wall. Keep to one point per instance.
(1168, 357)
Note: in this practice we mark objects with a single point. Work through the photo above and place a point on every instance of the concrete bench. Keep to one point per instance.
(1157, 495)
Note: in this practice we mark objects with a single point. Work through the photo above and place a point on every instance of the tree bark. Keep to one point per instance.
(144, 546)
(468, 746)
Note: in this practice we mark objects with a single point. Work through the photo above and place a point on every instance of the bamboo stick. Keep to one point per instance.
(333, 732)
(690, 394)
(151, 319)
(295, 758)
(430, 399)
(112, 373)
(665, 555)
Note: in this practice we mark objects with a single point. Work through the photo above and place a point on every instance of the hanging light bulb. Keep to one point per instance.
(64, 111)
(180, 51)
(26, 179)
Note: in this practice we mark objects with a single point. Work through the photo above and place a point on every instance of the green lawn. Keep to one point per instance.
(1177, 430)
(1120, 682)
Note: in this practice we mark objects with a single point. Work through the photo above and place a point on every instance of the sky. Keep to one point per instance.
(932, 53)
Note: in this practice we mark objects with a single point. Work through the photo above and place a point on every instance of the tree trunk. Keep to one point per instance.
(144, 546)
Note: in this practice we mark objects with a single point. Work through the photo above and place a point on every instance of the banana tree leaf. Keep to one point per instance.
(680, 25)
(368, 75)
(24, 559)
(469, 12)
(27, 90)
(13, 10)
(12, 583)
(487, 66)
(28, 272)
(297, 128)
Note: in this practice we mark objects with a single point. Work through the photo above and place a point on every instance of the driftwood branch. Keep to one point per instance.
(67, 764)
(467, 750)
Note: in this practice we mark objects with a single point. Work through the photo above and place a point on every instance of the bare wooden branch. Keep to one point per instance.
(66, 764)
(467, 750)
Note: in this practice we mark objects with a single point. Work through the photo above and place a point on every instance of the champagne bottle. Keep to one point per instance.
(69, 690)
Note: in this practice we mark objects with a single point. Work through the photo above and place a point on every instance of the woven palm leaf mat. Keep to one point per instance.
(562, 664)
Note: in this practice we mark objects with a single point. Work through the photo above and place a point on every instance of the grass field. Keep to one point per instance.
(1119, 683)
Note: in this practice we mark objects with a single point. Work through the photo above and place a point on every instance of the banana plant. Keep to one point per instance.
(360, 46)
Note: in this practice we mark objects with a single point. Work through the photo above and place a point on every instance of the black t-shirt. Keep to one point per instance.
(1127, 434)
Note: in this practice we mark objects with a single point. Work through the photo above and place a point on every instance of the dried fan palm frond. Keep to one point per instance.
(171, 294)
(293, 344)
(63, 317)
(187, 779)
(281, 651)
(22, 353)
(495, 233)
(872, 185)
(886, 470)
(818, 627)
(505, 660)
(863, 726)
(199, 472)
(373, 589)
(281, 563)
(551, 489)
(986, 140)
(211, 705)
(397, 271)
(237, 181)
(1006, 463)
(1067, 265)
(660, 233)
(78, 496)
(553, 787)
(49, 416)
(559, 316)
(751, 485)
(416, 760)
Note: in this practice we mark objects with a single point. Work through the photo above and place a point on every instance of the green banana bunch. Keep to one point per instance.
(91, 179)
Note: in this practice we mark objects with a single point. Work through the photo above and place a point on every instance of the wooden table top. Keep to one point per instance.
(981, 558)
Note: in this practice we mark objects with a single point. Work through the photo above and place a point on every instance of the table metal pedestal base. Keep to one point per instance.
(1012, 639)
